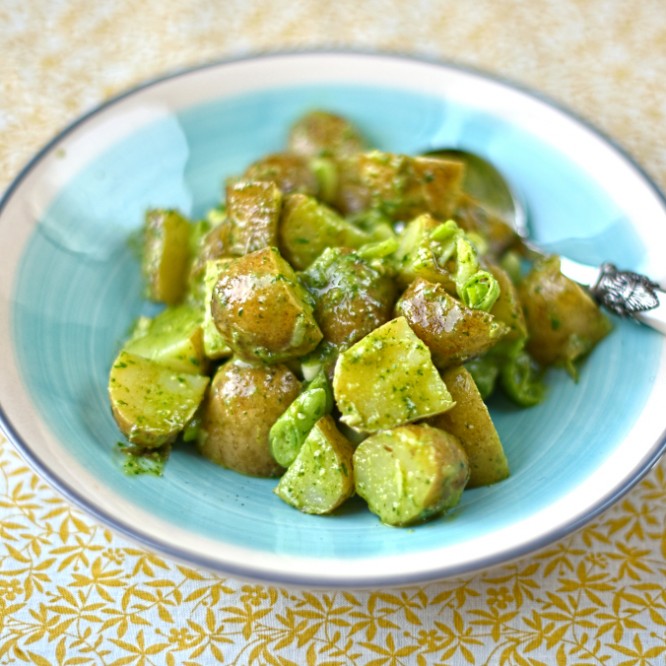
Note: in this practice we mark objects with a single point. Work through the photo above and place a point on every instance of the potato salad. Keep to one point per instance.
(338, 323)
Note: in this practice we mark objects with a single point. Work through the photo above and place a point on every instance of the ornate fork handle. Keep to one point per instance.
(630, 294)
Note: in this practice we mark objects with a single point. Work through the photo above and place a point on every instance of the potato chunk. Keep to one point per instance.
(507, 308)
(242, 405)
(152, 403)
(253, 209)
(470, 422)
(290, 172)
(173, 339)
(388, 379)
(472, 216)
(400, 186)
(324, 134)
(320, 479)
(308, 227)
(166, 255)
(410, 473)
(353, 296)
(262, 311)
(452, 331)
(563, 321)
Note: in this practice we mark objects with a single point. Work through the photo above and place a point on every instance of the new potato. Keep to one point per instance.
(243, 403)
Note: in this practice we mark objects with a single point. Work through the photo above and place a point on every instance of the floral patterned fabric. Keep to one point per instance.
(71, 592)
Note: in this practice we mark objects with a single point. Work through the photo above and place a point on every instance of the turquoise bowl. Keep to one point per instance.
(70, 289)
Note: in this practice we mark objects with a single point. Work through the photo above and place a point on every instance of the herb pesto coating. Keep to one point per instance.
(262, 311)
(320, 478)
(410, 474)
(353, 296)
(327, 302)
(563, 321)
(388, 379)
(469, 420)
(453, 332)
(243, 403)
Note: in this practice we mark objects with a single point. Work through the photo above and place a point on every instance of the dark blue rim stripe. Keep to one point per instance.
(397, 578)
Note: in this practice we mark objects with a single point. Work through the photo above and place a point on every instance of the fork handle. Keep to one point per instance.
(631, 295)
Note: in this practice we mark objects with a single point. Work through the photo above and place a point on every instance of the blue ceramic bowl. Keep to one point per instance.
(70, 289)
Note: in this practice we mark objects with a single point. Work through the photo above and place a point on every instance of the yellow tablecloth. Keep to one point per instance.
(71, 592)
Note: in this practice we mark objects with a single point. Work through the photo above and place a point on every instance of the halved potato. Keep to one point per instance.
(308, 227)
(290, 172)
(253, 211)
(352, 295)
(324, 134)
(474, 217)
(262, 311)
(410, 473)
(151, 402)
(173, 339)
(563, 321)
(320, 478)
(400, 186)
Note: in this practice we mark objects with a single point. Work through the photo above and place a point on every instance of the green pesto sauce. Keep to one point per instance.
(137, 461)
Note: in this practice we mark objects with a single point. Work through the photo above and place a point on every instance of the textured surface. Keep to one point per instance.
(71, 592)
(70, 589)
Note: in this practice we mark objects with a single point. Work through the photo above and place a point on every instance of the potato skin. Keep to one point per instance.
(243, 402)
(401, 186)
(563, 321)
(290, 172)
(261, 310)
(453, 332)
(254, 210)
(470, 421)
(324, 134)
(472, 216)
(411, 473)
(352, 297)
(508, 308)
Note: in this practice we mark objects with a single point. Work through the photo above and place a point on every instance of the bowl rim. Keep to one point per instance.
(265, 575)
